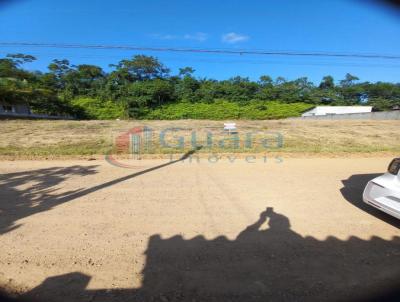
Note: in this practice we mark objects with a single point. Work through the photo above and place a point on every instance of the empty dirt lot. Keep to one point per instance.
(34, 139)
(281, 230)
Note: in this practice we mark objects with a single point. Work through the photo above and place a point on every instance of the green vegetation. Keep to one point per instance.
(222, 110)
(143, 88)
(92, 108)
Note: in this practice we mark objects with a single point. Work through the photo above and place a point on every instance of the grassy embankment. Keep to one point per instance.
(55, 139)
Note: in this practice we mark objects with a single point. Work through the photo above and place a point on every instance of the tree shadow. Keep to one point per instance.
(41, 195)
(275, 264)
(29, 192)
(353, 190)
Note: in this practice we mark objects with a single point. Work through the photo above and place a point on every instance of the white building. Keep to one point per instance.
(330, 110)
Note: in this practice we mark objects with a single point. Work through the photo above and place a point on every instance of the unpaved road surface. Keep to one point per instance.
(281, 230)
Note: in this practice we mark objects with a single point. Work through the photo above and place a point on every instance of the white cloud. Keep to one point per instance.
(199, 36)
(234, 38)
(165, 37)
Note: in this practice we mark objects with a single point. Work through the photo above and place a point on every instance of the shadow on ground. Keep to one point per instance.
(30, 192)
(352, 191)
(275, 264)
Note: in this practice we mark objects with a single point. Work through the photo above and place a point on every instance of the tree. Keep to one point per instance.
(266, 81)
(59, 67)
(8, 69)
(148, 94)
(20, 58)
(186, 72)
(87, 79)
(280, 80)
(140, 68)
(327, 83)
(381, 104)
(348, 80)
(10, 66)
(89, 72)
(58, 71)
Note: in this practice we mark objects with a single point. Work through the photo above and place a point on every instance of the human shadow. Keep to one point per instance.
(132, 175)
(29, 192)
(41, 194)
(352, 191)
(273, 264)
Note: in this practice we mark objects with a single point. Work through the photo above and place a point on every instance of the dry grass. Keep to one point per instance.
(33, 139)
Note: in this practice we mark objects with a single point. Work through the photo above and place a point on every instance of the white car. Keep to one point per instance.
(383, 192)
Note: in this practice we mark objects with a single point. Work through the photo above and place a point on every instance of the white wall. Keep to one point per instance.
(385, 115)
(324, 110)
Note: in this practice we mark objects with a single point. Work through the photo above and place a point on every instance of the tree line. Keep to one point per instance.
(137, 86)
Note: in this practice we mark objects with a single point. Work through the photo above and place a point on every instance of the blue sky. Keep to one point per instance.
(354, 26)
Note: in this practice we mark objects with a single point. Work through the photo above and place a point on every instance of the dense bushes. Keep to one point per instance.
(273, 110)
(91, 108)
(222, 109)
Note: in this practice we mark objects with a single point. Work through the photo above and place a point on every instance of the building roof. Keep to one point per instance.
(323, 110)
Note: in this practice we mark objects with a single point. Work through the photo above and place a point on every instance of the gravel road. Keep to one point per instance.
(259, 229)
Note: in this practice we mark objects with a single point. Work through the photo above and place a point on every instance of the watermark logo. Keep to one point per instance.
(123, 146)
(194, 146)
